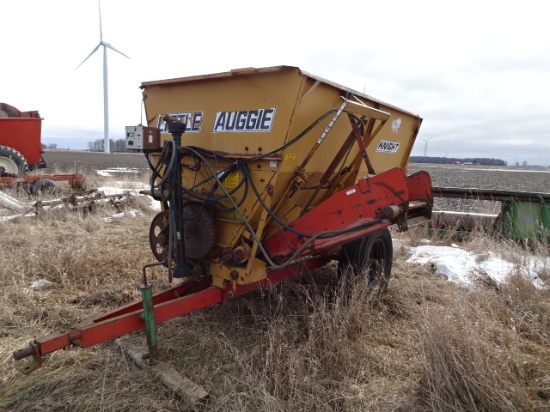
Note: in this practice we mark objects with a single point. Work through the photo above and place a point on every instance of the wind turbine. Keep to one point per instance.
(105, 80)
(426, 145)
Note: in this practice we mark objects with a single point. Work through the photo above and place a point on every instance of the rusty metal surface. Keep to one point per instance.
(488, 194)
(86, 202)
(76, 181)
(462, 220)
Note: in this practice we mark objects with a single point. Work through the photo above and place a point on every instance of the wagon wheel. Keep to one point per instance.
(371, 256)
(44, 187)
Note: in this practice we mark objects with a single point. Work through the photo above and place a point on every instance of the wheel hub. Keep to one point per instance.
(8, 166)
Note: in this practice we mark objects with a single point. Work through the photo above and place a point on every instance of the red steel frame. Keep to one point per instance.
(375, 202)
(176, 301)
(76, 181)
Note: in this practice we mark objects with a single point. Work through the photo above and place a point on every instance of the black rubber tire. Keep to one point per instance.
(15, 157)
(371, 256)
(44, 187)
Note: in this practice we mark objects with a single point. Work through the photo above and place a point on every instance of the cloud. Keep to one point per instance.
(475, 73)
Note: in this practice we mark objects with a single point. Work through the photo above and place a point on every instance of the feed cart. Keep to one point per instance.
(261, 174)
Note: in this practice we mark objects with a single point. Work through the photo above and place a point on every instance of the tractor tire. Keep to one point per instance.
(9, 111)
(12, 162)
(44, 187)
(371, 256)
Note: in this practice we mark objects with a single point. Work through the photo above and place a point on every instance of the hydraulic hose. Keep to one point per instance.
(247, 181)
(310, 238)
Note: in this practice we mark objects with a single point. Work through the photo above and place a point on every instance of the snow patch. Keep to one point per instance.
(462, 266)
(117, 171)
(42, 284)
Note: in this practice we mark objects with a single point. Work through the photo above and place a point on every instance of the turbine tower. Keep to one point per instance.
(105, 80)
(426, 145)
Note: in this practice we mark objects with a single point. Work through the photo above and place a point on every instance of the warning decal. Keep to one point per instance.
(232, 180)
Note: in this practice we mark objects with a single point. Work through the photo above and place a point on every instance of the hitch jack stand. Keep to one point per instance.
(149, 318)
(148, 315)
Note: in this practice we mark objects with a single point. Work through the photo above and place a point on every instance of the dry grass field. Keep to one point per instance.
(317, 343)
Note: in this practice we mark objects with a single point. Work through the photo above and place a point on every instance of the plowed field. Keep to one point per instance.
(517, 179)
(88, 162)
(463, 176)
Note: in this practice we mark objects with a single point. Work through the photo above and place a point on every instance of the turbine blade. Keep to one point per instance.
(89, 55)
(100, 25)
(113, 49)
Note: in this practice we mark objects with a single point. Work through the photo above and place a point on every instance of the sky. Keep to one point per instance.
(477, 72)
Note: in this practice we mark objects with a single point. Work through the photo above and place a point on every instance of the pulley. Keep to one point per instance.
(198, 232)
